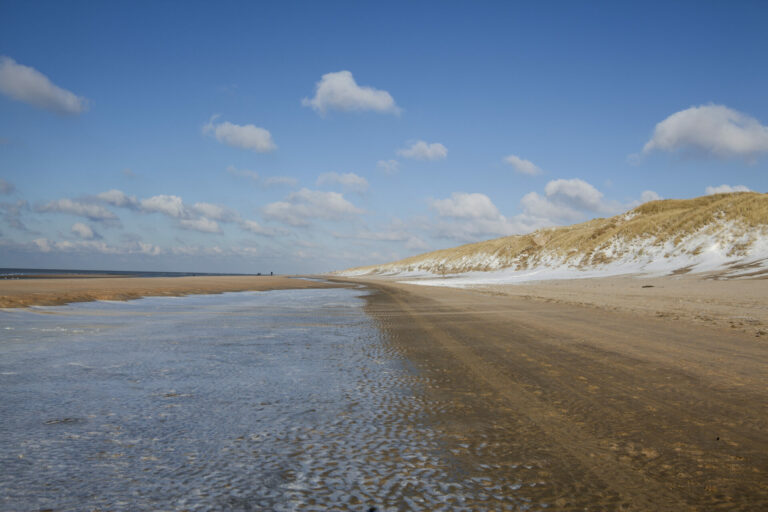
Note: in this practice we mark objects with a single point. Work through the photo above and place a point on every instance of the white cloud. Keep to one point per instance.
(576, 193)
(350, 181)
(201, 224)
(118, 198)
(339, 91)
(255, 227)
(267, 181)
(388, 166)
(87, 210)
(726, 189)
(523, 166)
(169, 205)
(245, 173)
(466, 206)
(84, 231)
(215, 212)
(715, 130)
(421, 150)
(6, 187)
(91, 246)
(473, 216)
(305, 205)
(537, 206)
(649, 195)
(280, 180)
(26, 84)
(246, 136)
(568, 201)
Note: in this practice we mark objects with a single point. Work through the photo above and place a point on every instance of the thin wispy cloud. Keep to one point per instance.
(388, 166)
(28, 85)
(267, 181)
(90, 211)
(339, 91)
(6, 187)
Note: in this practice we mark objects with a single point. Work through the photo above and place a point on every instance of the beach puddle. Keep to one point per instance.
(283, 400)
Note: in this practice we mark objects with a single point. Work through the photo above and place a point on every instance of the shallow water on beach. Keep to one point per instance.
(281, 400)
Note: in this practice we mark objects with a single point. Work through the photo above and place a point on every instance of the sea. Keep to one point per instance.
(18, 273)
(284, 400)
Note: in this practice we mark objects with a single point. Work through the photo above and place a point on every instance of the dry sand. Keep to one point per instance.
(50, 292)
(609, 404)
(703, 299)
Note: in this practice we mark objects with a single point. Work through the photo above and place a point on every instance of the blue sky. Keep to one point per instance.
(312, 136)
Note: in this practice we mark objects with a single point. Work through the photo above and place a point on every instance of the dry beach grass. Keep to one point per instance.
(603, 240)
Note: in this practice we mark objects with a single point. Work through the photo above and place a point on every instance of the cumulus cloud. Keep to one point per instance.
(339, 91)
(202, 224)
(214, 211)
(649, 195)
(254, 227)
(523, 166)
(421, 150)
(349, 181)
(566, 201)
(726, 189)
(304, 205)
(247, 136)
(6, 187)
(169, 205)
(90, 211)
(470, 217)
(84, 231)
(28, 85)
(118, 198)
(466, 206)
(388, 166)
(714, 130)
(577, 193)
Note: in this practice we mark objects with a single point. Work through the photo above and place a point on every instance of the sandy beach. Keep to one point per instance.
(56, 291)
(614, 394)
(631, 398)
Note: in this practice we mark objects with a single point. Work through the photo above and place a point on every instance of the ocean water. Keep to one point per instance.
(281, 400)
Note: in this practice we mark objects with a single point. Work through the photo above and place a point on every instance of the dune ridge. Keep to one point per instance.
(715, 232)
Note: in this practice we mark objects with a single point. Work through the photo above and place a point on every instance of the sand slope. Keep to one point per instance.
(723, 231)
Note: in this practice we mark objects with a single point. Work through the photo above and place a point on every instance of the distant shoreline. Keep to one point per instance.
(65, 289)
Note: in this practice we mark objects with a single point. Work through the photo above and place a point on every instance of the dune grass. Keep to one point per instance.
(656, 223)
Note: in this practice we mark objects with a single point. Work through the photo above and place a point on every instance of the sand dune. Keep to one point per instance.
(717, 232)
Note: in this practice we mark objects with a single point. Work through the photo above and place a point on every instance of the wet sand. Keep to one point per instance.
(56, 291)
(608, 409)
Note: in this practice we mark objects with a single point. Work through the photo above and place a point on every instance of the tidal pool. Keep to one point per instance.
(280, 400)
